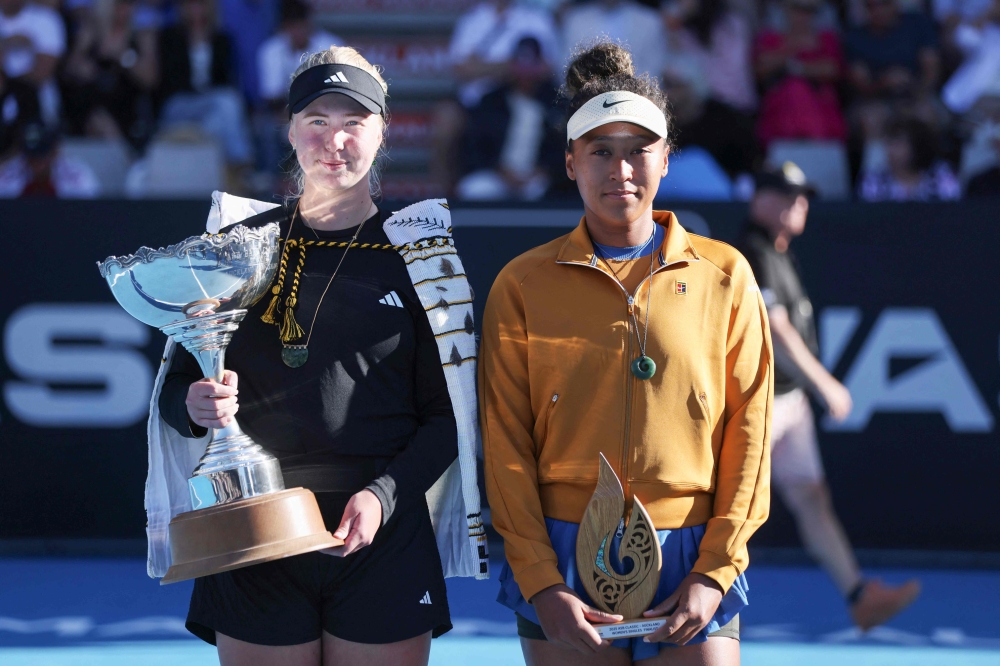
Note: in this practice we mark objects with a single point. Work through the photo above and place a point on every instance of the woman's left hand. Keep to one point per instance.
(362, 518)
(688, 610)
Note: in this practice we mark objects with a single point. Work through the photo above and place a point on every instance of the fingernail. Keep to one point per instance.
(645, 639)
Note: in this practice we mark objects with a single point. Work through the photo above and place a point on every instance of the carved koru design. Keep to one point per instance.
(631, 593)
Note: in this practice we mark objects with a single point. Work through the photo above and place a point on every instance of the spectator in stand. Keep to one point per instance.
(703, 122)
(633, 25)
(979, 75)
(953, 17)
(32, 39)
(481, 51)
(512, 147)
(280, 55)
(798, 69)
(913, 170)
(110, 74)
(894, 56)
(277, 59)
(249, 23)
(39, 170)
(197, 81)
(722, 40)
(18, 106)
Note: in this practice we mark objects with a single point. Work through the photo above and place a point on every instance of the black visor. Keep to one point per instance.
(356, 83)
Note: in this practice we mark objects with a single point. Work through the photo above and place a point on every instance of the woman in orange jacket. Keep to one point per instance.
(630, 338)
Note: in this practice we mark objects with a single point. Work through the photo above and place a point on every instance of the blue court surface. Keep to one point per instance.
(89, 612)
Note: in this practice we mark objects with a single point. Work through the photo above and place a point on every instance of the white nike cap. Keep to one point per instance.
(617, 106)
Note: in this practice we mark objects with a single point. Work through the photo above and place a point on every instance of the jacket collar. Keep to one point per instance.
(676, 247)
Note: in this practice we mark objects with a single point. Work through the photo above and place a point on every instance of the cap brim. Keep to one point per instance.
(369, 104)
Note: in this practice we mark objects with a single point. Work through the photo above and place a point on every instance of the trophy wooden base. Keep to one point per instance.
(629, 628)
(246, 532)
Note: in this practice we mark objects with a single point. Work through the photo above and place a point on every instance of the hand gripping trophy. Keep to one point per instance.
(198, 292)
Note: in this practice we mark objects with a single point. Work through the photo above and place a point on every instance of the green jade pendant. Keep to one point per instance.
(295, 356)
(643, 367)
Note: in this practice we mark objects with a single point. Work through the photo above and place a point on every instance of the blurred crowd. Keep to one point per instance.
(879, 100)
(876, 100)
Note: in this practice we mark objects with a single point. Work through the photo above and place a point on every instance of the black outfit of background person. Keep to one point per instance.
(114, 90)
(18, 108)
(777, 275)
(985, 184)
(489, 123)
(175, 62)
(725, 133)
(371, 409)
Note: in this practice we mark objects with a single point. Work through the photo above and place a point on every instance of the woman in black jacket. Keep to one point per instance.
(198, 81)
(348, 393)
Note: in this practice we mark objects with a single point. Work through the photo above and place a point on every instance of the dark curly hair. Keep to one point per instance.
(606, 67)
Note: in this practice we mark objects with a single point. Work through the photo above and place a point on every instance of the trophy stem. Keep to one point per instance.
(234, 467)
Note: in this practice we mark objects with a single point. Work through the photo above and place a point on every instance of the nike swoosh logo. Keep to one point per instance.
(608, 106)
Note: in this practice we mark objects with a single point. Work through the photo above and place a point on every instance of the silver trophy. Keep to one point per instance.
(198, 292)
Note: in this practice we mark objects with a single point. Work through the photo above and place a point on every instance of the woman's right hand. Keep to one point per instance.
(211, 404)
(566, 619)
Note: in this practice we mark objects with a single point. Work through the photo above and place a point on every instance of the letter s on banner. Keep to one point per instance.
(31, 350)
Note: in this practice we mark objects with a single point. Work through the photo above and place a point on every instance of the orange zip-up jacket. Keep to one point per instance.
(555, 389)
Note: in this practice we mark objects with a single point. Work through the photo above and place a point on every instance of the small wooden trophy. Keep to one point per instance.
(628, 594)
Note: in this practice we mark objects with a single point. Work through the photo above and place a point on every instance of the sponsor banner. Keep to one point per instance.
(902, 295)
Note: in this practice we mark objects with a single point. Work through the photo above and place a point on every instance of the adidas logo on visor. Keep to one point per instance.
(337, 78)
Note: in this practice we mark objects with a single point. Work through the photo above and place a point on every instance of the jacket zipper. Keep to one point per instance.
(629, 378)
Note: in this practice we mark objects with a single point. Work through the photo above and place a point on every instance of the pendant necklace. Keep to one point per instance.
(296, 355)
(643, 367)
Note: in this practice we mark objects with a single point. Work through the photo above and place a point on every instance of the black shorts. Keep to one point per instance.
(389, 591)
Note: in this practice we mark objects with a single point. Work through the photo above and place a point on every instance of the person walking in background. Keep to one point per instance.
(778, 214)
(799, 68)
(913, 170)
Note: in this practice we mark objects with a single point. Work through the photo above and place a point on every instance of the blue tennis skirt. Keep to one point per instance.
(680, 551)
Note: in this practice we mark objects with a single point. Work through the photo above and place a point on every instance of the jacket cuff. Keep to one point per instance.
(384, 488)
(196, 431)
(717, 567)
(537, 577)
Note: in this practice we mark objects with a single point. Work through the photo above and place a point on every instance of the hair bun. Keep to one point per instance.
(601, 61)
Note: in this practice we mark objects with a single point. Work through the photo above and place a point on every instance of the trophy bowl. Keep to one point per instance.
(198, 292)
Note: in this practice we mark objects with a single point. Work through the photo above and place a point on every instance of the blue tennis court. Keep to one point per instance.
(83, 612)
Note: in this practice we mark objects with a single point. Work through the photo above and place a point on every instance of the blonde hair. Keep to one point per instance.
(346, 55)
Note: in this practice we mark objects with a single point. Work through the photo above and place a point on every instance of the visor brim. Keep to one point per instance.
(635, 120)
(371, 105)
